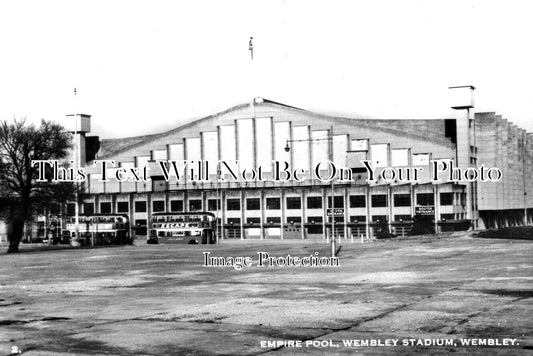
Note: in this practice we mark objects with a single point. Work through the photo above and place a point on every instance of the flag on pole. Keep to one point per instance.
(251, 48)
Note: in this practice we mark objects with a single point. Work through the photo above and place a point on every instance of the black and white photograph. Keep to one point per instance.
(281, 177)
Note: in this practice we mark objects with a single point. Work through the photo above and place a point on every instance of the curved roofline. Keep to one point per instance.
(267, 101)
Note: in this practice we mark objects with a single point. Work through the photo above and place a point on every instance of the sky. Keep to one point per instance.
(141, 67)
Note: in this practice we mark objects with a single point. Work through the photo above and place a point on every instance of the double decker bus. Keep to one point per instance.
(183, 228)
(99, 229)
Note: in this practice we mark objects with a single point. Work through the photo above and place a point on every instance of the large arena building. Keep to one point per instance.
(260, 132)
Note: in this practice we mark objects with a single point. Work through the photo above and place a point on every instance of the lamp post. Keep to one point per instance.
(76, 240)
(330, 141)
(524, 157)
(219, 205)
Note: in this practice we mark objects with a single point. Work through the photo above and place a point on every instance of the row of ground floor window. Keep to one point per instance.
(297, 212)
(285, 211)
(292, 203)
(271, 203)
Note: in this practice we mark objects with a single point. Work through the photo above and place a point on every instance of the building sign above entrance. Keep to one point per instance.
(425, 210)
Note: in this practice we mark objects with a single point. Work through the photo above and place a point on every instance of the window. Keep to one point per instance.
(294, 203)
(317, 229)
(159, 184)
(358, 218)
(339, 201)
(338, 219)
(402, 217)
(273, 220)
(273, 203)
(233, 204)
(234, 221)
(39, 210)
(379, 201)
(402, 199)
(213, 204)
(317, 225)
(56, 209)
(123, 207)
(176, 205)
(88, 208)
(40, 228)
(253, 204)
(294, 219)
(356, 171)
(424, 199)
(447, 216)
(140, 207)
(140, 225)
(105, 208)
(446, 198)
(253, 221)
(357, 201)
(158, 206)
(71, 208)
(195, 204)
(378, 218)
(314, 202)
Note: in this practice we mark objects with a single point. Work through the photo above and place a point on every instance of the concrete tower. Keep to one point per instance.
(462, 101)
(79, 125)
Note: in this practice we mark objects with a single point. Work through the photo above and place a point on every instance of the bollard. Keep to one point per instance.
(333, 248)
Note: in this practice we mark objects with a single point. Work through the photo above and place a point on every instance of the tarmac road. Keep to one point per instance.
(159, 300)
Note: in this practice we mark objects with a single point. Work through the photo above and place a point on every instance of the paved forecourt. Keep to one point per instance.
(452, 294)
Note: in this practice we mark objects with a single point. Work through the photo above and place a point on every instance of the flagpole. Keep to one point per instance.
(251, 48)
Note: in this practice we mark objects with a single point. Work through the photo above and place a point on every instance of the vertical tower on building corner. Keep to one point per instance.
(462, 101)
(79, 130)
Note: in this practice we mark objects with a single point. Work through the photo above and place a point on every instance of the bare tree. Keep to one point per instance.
(20, 144)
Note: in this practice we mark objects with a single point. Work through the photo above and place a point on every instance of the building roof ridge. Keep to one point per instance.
(429, 136)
